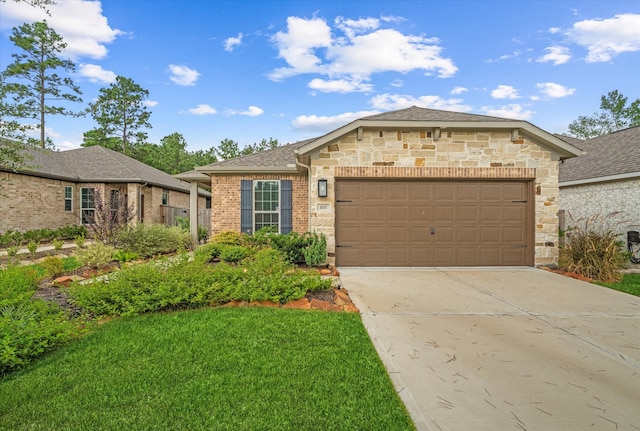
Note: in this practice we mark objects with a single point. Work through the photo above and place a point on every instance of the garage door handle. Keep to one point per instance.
(433, 231)
(344, 246)
(518, 202)
(340, 200)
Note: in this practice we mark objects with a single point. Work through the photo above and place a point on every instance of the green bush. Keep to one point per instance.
(229, 237)
(316, 253)
(28, 327)
(291, 245)
(233, 253)
(53, 265)
(207, 252)
(95, 255)
(57, 244)
(125, 256)
(79, 241)
(32, 247)
(71, 232)
(593, 248)
(181, 283)
(151, 239)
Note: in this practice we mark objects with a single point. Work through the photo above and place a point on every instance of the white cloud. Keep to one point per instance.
(321, 123)
(607, 38)
(397, 83)
(308, 46)
(182, 75)
(459, 90)
(203, 109)
(554, 91)
(556, 55)
(513, 111)
(150, 103)
(339, 86)
(80, 23)
(232, 42)
(505, 92)
(389, 102)
(514, 54)
(96, 73)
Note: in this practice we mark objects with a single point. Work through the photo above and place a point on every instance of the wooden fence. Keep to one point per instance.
(169, 215)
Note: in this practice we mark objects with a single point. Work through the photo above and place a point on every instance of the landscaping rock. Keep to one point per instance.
(266, 304)
(300, 304)
(317, 304)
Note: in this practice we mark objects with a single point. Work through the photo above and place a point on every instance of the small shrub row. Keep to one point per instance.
(146, 239)
(16, 238)
(28, 328)
(182, 282)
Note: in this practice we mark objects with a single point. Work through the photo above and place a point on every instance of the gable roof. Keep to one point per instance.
(608, 157)
(279, 159)
(422, 118)
(97, 164)
(283, 159)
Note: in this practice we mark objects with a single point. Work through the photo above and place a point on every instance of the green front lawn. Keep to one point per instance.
(630, 283)
(209, 369)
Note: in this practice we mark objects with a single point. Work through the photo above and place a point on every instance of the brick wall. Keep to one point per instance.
(225, 200)
(584, 201)
(397, 154)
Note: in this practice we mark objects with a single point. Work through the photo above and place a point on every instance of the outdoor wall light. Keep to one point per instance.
(322, 188)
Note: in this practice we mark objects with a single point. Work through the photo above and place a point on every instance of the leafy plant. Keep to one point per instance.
(148, 239)
(182, 222)
(125, 256)
(208, 252)
(593, 248)
(233, 253)
(96, 255)
(229, 237)
(316, 253)
(57, 244)
(12, 251)
(32, 247)
(53, 265)
(203, 233)
(80, 240)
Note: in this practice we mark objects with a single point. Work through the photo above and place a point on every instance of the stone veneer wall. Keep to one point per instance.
(225, 200)
(456, 155)
(587, 200)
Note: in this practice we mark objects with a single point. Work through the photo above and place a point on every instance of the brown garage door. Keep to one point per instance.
(433, 223)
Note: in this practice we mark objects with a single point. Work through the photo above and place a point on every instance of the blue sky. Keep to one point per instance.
(290, 70)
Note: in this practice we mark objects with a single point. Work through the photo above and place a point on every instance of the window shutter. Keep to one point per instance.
(246, 199)
(286, 206)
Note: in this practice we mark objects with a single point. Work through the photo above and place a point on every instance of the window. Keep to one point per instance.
(266, 204)
(207, 203)
(87, 204)
(165, 197)
(68, 198)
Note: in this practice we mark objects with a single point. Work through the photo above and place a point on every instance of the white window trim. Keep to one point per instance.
(70, 199)
(253, 204)
(82, 208)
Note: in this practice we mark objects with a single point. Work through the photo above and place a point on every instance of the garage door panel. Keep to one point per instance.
(476, 222)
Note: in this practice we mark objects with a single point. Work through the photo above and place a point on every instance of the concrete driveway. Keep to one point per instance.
(503, 349)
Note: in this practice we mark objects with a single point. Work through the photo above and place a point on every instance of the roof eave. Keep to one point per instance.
(562, 149)
(250, 169)
(617, 177)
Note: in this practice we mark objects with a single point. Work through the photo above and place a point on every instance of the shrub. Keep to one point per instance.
(17, 284)
(316, 253)
(182, 223)
(291, 245)
(57, 244)
(233, 253)
(208, 252)
(229, 237)
(12, 251)
(79, 241)
(203, 233)
(150, 239)
(125, 256)
(32, 247)
(110, 217)
(53, 265)
(96, 255)
(71, 232)
(593, 248)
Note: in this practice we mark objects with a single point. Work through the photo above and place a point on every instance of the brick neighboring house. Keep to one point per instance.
(605, 180)
(56, 188)
(413, 187)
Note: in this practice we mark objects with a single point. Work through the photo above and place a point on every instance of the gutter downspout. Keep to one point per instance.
(308, 168)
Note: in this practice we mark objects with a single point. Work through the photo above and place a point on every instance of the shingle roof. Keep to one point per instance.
(617, 153)
(570, 140)
(279, 157)
(415, 113)
(97, 164)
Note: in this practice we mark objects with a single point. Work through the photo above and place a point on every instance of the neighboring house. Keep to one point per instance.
(605, 180)
(55, 189)
(414, 187)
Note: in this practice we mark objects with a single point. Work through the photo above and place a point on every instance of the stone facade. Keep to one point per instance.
(225, 198)
(455, 155)
(584, 201)
(29, 202)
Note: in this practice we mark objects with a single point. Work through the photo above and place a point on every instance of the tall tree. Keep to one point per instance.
(614, 115)
(230, 149)
(120, 112)
(31, 84)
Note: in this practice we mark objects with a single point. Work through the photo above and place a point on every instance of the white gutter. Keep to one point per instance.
(617, 177)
